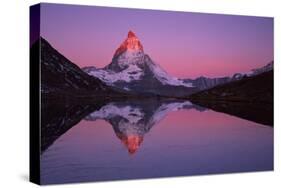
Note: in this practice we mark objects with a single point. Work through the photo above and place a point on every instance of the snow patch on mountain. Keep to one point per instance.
(130, 57)
(254, 72)
(132, 72)
(165, 78)
(263, 69)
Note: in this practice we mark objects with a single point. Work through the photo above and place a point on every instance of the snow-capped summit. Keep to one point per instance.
(133, 70)
(131, 44)
(129, 54)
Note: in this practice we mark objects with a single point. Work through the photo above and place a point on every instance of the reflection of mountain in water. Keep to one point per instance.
(58, 118)
(131, 120)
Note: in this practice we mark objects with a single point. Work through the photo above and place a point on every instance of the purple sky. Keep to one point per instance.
(184, 44)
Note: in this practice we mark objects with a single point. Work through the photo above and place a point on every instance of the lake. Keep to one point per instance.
(150, 138)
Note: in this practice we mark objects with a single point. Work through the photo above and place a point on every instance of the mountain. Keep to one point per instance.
(133, 70)
(250, 97)
(258, 88)
(263, 69)
(61, 77)
(204, 83)
(131, 120)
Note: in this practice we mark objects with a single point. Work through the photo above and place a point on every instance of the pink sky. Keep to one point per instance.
(186, 45)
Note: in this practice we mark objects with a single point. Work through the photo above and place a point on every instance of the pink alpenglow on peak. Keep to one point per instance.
(133, 70)
(131, 34)
(132, 43)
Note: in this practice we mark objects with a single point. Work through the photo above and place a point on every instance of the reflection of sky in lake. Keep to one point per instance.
(182, 142)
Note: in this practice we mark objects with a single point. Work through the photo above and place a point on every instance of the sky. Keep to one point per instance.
(186, 45)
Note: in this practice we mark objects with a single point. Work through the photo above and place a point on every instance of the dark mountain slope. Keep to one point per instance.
(258, 89)
(204, 83)
(59, 76)
(250, 98)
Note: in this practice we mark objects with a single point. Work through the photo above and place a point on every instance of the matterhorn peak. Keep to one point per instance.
(131, 43)
(131, 34)
(131, 69)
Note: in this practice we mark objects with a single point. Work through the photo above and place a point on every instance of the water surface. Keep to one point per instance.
(151, 138)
